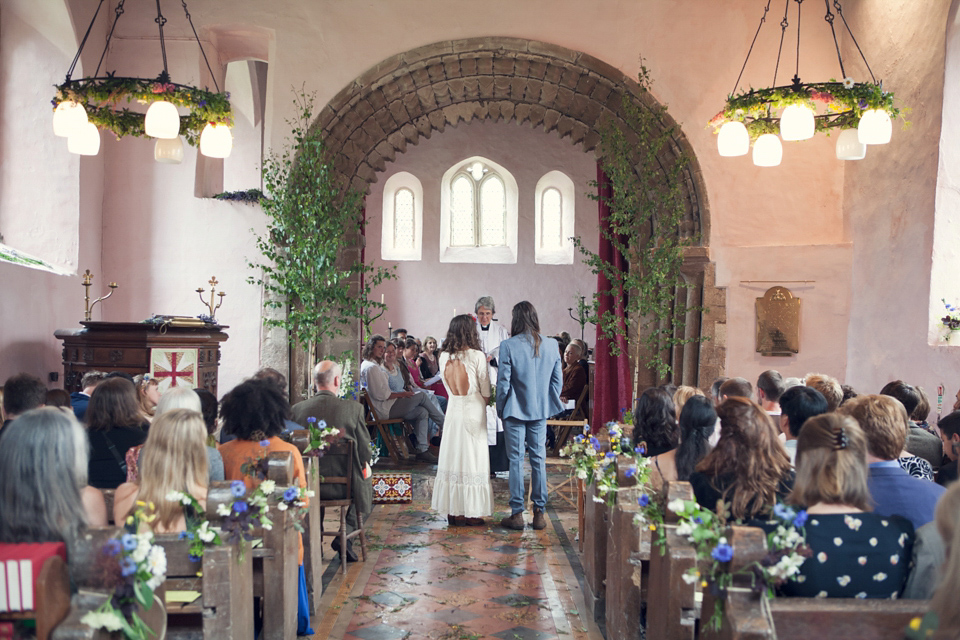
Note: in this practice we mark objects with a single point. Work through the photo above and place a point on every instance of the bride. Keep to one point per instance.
(462, 488)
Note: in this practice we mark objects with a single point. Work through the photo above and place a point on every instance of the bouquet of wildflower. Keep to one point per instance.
(651, 515)
(321, 437)
(584, 452)
(951, 321)
(134, 567)
(198, 532)
(243, 514)
(294, 498)
(606, 472)
(347, 384)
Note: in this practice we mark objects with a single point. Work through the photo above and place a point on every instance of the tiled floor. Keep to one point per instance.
(424, 579)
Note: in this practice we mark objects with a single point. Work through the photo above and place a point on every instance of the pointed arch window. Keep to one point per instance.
(555, 216)
(402, 229)
(478, 220)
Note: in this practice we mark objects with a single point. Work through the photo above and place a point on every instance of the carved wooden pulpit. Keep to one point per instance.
(176, 355)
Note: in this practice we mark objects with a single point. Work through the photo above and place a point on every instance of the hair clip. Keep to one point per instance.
(840, 439)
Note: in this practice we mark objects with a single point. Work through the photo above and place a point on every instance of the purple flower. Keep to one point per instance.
(291, 494)
(185, 535)
(611, 454)
(240, 506)
(801, 519)
(722, 553)
(112, 547)
(640, 449)
(128, 567)
(195, 558)
(237, 488)
(264, 443)
(784, 512)
(128, 541)
(311, 419)
(630, 472)
(862, 104)
(594, 442)
(697, 520)
(643, 500)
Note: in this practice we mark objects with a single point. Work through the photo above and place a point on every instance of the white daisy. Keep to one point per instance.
(853, 523)
(848, 83)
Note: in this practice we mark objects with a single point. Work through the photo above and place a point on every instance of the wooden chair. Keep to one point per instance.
(51, 589)
(563, 429)
(397, 444)
(333, 484)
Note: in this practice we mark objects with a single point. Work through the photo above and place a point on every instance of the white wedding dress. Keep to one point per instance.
(462, 486)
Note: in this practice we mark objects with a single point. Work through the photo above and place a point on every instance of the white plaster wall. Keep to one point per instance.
(423, 298)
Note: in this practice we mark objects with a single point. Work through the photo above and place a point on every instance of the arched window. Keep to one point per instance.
(554, 213)
(478, 221)
(402, 233)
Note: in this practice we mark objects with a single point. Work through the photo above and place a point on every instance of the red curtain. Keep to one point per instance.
(612, 386)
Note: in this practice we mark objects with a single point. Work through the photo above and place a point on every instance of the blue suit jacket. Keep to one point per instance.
(895, 492)
(528, 388)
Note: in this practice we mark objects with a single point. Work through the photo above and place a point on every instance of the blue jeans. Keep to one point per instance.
(533, 435)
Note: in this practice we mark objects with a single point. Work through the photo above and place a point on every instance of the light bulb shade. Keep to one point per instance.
(767, 151)
(796, 123)
(733, 140)
(68, 118)
(875, 127)
(849, 146)
(162, 121)
(85, 141)
(168, 150)
(216, 141)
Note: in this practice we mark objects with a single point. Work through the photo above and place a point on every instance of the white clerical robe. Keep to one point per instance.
(490, 345)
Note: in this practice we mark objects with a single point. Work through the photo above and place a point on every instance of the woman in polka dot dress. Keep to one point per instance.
(856, 554)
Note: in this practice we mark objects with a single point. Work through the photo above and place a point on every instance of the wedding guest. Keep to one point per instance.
(748, 468)
(856, 554)
(770, 387)
(829, 387)
(920, 442)
(173, 459)
(736, 387)
(797, 405)
(148, 394)
(681, 395)
(186, 398)
(697, 421)
(944, 602)
(372, 355)
(21, 393)
(655, 421)
(462, 488)
(80, 399)
(114, 423)
(715, 390)
(950, 435)
(57, 398)
(430, 366)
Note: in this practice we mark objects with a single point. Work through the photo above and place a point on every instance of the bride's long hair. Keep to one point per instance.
(461, 335)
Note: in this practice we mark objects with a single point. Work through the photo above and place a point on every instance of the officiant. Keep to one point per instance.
(491, 335)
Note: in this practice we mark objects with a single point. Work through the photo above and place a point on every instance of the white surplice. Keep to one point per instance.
(490, 345)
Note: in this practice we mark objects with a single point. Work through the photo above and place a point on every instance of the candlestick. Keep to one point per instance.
(381, 298)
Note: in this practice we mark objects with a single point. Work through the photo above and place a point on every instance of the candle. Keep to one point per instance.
(381, 298)
(454, 311)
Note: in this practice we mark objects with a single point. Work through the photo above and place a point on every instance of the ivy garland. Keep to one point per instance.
(844, 103)
(100, 96)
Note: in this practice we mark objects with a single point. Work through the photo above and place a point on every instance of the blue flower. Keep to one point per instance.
(594, 442)
(195, 558)
(185, 535)
(322, 424)
(112, 547)
(264, 443)
(311, 419)
(128, 541)
(240, 506)
(643, 500)
(291, 494)
(784, 512)
(237, 488)
(697, 520)
(611, 454)
(578, 439)
(612, 432)
(640, 449)
(128, 567)
(722, 553)
(801, 519)
(630, 472)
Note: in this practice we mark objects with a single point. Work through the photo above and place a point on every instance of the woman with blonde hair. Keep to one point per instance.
(148, 394)
(855, 553)
(173, 459)
(681, 395)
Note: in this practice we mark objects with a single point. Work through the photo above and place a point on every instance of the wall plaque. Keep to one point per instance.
(778, 323)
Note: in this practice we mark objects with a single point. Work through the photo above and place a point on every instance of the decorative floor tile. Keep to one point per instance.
(524, 633)
(380, 632)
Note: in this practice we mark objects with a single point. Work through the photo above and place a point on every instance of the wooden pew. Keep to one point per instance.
(596, 516)
(672, 609)
(108, 496)
(801, 618)
(312, 538)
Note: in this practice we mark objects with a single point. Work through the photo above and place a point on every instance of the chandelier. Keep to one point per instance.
(84, 107)
(860, 111)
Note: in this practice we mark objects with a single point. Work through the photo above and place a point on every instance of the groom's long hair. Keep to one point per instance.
(525, 320)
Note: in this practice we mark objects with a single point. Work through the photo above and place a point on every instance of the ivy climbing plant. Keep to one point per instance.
(646, 210)
(313, 217)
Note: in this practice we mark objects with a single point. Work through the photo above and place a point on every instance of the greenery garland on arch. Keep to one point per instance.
(101, 97)
(843, 103)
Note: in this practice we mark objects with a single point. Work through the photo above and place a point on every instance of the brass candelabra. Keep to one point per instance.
(213, 294)
(87, 305)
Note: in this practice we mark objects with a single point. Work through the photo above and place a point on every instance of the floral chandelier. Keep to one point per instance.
(83, 107)
(860, 111)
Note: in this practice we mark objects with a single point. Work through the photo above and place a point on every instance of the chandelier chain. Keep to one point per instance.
(73, 65)
(186, 12)
(829, 17)
(160, 20)
(836, 3)
(783, 32)
(763, 19)
(796, 75)
(117, 13)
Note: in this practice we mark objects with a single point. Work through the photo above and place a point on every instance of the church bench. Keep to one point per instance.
(749, 617)
(593, 533)
(312, 539)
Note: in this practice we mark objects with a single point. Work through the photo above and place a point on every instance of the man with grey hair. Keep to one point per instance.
(347, 416)
(80, 399)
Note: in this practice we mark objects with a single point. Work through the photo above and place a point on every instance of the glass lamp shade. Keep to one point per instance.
(875, 127)
(796, 123)
(162, 120)
(68, 118)
(168, 150)
(767, 151)
(85, 141)
(849, 146)
(733, 140)
(216, 141)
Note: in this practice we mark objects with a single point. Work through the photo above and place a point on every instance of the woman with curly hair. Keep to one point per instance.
(749, 468)
(697, 421)
(655, 421)
(462, 489)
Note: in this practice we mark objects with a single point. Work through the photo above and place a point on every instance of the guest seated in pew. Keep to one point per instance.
(828, 386)
(950, 435)
(373, 352)
(347, 416)
(44, 495)
(254, 411)
(797, 405)
(856, 554)
(655, 422)
(148, 394)
(682, 394)
(57, 398)
(574, 376)
(185, 398)
(697, 421)
(21, 393)
(920, 442)
(114, 425)
(430, 366)
(748, 468)
(173, 459)
(894, 492)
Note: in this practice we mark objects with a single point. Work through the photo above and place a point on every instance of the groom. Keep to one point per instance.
(528, 391)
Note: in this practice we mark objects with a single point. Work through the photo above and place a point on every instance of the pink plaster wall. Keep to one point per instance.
(424, 296)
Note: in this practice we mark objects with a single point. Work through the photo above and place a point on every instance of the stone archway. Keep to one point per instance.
(422, 91)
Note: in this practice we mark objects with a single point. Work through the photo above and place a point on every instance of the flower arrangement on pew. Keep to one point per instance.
(243, 514)
(786, 550)
(951, 321)
(605, 475)
(288, 497)
(321, 437)
(134, 567)
(199, 532)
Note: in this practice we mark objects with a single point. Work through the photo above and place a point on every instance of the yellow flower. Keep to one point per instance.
(915, 623)
(129, 519)
(653, 527)
(141, 503)
(703, 584)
